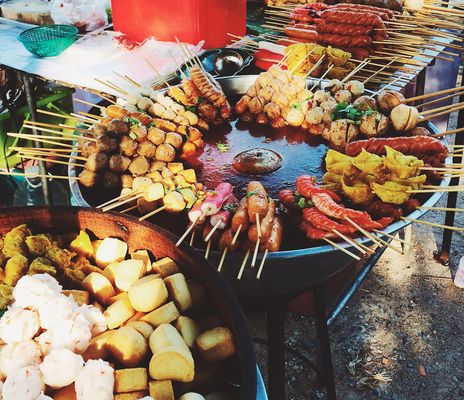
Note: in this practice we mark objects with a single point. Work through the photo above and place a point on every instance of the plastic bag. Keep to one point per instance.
(86, 15)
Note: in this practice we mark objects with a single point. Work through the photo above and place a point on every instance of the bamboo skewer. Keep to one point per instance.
(189, 229)
(223, 257)
(31, 157)
(93, 116)
(422, 113)
(31, 175)
(211, 232)
(366, 233)
(46, 112)
(429, 103)
(448, 111)
(255, 253)
(192, 238)
(129, 209)
(39, 152)
(440, 208)
(89, 104)
(123, 196)
(244, 262)
(234, 239)
(159, 209)
(63, 137)
(87, 119)
(120, 203)
(349, 241)
(453, 228)
(128, 79)
(39, 139)
(112, 86)
(208, 249)
(261, 265)
(392, 237)
(158, 73)
(337, 246)
(434, 94)
(380, 70)
(450, 132)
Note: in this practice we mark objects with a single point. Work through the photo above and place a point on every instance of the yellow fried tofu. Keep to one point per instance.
(16, 267)
(130, 380)
(41, 265)
(216, 344)
(38, 245)
(161, 390)
(82, 245)
(14, 241)
(391, 192)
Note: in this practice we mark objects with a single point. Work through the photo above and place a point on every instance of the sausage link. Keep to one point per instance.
(275, 238)
(307, 35)
(240, 217)
(345, 41)
(257, 202)
(266, 225)
(344, 29)
(225, 241)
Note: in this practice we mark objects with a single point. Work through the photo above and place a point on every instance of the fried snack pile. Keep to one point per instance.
(311, 53)
(367, 175)
(128, 312)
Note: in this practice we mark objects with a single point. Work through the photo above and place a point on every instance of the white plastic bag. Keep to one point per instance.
(87, 15)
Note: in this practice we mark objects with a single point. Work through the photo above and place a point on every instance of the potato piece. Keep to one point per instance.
(216, 344)
(198, 294)
(165, 266)
(189, 330)
(161, 390)
(163, 315)
(66, 393)
(179, 291)
(191, 396)
(189, 175)
(128, 346)
(175, 167)
(82, 245)
(130, 380)
(147, 293)
(172, 363)
(143, 327)
(118, 313)
(131, 396)
(99, 286)
(79, 296)
(126, 272)
(154, 192)
(166, 336)
(110, 250)
(145, 257)
(98, 347)
(140, 182)
(119, 296)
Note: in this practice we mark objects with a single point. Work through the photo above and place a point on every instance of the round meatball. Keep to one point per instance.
(321, 95)
(144, 103)
(119, 163)
(334, 85)
(329, 104)
(126, 180)
(355, 87)
(147, 149)
(174, 139)
(107, 143)
(88, 148)
(140, 165)
(128, 146)
(343, 96)
(96, 162)
(139, 131)
(315, 115)
(419, 131)
(110, 179)
(119, 127)
(82, 139)
(99, 130)
(365, 103)
(89, 178)
(374, 124)
(165, 152)
(54, 375)
(156, 135)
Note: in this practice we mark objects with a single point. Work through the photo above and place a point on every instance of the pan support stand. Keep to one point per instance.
(28, 82)
(443, 255)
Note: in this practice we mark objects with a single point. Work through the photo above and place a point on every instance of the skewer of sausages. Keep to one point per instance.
(275, 237)
(240, 217)
(266, 225)
(344, 29)
(225, 241)
(307, 35)
(383, 13)
(257, 201)
(353, 18)
(344, 41)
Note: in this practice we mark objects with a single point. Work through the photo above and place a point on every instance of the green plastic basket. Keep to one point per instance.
(48, 40)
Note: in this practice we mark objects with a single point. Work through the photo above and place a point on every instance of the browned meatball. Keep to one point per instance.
(139, 131)
(107, 143)
(96, 162)
(126, 180)
(88, 148)
(88, 178)
(117, 126)
(81, 139)
(139, 166)
(365, 103)
(99, 130)
(110, 179)
(174, 139)
(128, 146)
(119, 163)
(165, 152)
(147, 149)
(156, 135)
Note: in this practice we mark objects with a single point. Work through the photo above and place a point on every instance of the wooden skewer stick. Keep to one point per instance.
(444, 190)
(39, 175)
(192, 238)
(30, 136)
(384, 88)
(85, 114)
(208, 249)
(223, 257)
(159, 209)
(337, 246)
(34, 138)
(123, 196)
(111, 86)
(189, 229)
(244, 262)
(255, 253)
(59, 126)
(129, 209)
(258, 226)
(319, 80)
(108, 99)
(392, 237)
(84, 118)
(158, 73)
(450, 132)
(120, 203)
(128, 79)
(46, 153)
(448, 111)
(380, 70)
(363, 249)
(46, 112)
(439, 100)
(236, 235)
(89, 103)
(261, 266)
(366, 233)
(211, 232)
(440, 108)
(73, 128)
(434, 94)
(31, 157)
(440, 208)
(315, 66)
(453, 228)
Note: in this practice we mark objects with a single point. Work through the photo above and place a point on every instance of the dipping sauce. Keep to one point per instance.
(257, 161)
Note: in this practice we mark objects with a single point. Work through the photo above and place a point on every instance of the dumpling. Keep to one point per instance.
(19, 354)
(54, 309)
(95, 381)
(25, 383)
(54, 375)
(19, 324)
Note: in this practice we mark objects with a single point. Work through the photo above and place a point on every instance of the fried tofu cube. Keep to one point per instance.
(175, 167)
(145, 257)
(161, 390)
(189, 330)
(118, 313)
(131, 396)
(110, 250)
(179, 291)
(98, 347)
(143, 327)
(128, 346)
(130, 380)
(66, 393)
(147, 293)
(216, 344)
(124, 273)
(165, 266)
(163, 315)
(99, 286)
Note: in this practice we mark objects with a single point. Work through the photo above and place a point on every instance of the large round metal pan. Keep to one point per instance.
(287, 270)
(240, 374)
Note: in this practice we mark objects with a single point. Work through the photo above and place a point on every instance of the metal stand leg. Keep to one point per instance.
(32, 110)
(276, 349)
(325, 367)
(443, 256)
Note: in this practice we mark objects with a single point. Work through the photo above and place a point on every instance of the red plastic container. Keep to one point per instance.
(189, 20)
